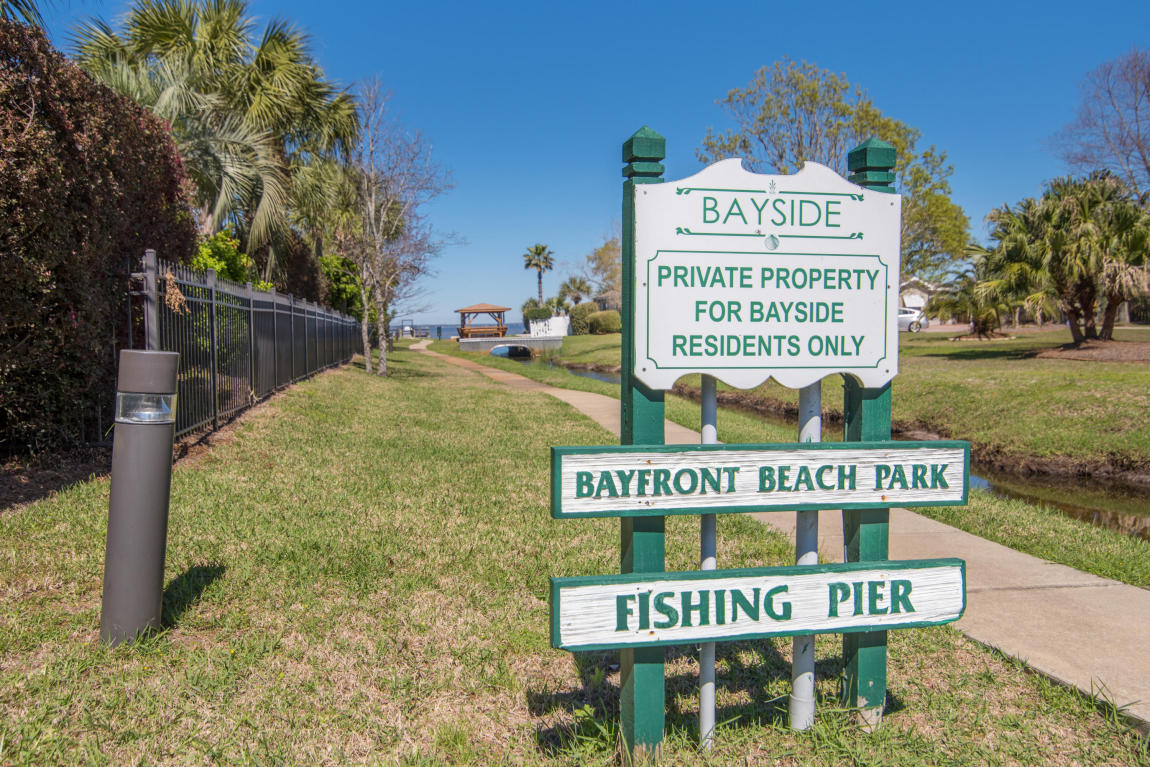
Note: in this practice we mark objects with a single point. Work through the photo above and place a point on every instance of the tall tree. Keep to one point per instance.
(793, 112)
(397, 176)
(1112, 128)
(540, 258)
(603, 268)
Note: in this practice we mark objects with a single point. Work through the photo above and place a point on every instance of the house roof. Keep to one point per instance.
(483, 308)
(916, 282)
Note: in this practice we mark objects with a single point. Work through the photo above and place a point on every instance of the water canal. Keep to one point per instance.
(1125, 511)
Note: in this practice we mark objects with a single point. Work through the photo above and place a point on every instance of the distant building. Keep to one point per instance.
(913, 293)
(608, 301)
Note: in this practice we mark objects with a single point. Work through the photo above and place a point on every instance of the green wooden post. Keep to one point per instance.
(866, 415)
(641, 538)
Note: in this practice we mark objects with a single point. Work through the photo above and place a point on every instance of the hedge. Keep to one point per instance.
(579, 318)
(602, 323)
(87, 179)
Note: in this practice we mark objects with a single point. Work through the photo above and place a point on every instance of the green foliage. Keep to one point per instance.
(961, 299)
(538, 313)
(250, 109)
(575, 289)
(343, 287)
(1084, 239)
(87, 180)
(26, 11)
(580, 314)
(791, 113)
(221, 252)
(601, 323)
(558, 304)
(604, 266)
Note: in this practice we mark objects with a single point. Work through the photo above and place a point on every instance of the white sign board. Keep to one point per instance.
(746, 277)
(629, 481)
(610, 611)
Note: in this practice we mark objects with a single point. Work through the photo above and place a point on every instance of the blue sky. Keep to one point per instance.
(527, 104)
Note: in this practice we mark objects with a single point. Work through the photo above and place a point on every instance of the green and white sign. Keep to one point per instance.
(631, 481)
(746, 277)
(636, 610)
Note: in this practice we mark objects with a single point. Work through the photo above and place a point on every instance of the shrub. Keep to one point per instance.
(221, 252)
(87, 179)
(579, 318)
(602, 323)
(535, 313)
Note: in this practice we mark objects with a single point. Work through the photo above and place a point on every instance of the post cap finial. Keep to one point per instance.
(645, 145)
(872, 154)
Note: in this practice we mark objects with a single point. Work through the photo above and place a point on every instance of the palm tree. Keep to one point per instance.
(961, 296)
(540, 258)
(27, 11)
(575, 288)
(248, 114)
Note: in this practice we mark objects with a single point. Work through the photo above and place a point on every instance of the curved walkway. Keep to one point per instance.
(1076, 628)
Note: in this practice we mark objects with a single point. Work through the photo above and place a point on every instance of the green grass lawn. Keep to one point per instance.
(358, 574)
(1028, 527)
(993, 393)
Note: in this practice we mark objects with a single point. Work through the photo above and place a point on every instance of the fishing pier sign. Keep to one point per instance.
(634, 610)
(746, 276)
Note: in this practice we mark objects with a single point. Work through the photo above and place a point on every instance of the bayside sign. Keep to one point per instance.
(647, 480)
(637, 610)
(747, 276)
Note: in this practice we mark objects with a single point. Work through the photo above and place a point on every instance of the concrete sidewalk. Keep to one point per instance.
(1078, 629)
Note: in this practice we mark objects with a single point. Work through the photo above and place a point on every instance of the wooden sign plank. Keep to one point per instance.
(640, 610)
(656, 480)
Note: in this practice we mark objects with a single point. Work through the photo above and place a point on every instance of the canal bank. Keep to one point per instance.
(1076, 628)
(1124, 507)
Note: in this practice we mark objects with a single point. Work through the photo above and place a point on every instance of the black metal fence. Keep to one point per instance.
(237, 344)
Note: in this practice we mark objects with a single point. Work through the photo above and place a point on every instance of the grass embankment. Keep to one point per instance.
(360, 576)
(1031, 528)
(996, 394)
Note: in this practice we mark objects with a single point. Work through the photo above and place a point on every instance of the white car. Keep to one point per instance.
(913, 320)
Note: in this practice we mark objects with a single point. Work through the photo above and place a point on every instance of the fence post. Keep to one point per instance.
(212, 348)
(642, 539)
(151, 301)
(251, 341)
(291, 340)
(866, 417)
(275, 340)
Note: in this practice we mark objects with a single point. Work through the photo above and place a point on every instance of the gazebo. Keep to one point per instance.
(468, 314)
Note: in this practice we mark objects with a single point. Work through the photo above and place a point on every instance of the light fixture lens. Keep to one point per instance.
(145, 408)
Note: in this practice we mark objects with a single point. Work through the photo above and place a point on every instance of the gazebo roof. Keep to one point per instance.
(483, 308)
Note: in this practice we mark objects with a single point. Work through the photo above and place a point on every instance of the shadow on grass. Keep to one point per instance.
(976, 352)
(185, 590)
(754, 667)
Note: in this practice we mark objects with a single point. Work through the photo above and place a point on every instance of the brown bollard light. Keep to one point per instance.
(141, 483)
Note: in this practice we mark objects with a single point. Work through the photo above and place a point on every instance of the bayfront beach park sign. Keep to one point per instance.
(746, 276)
(635, 481)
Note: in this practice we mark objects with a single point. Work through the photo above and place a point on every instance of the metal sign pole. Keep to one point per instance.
(802, 705)
(707, 561)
